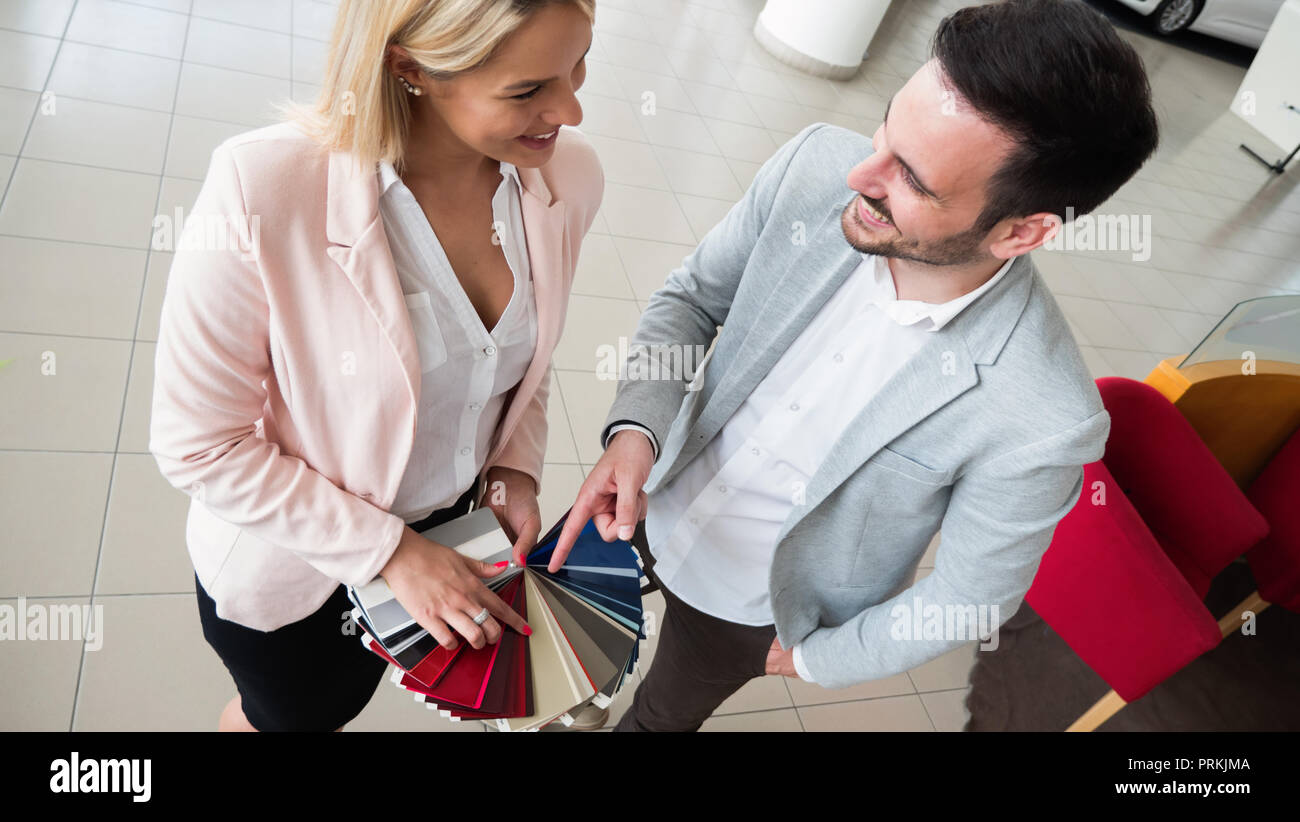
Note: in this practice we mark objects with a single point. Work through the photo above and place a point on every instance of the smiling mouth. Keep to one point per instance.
(539, 140)
(871, 216)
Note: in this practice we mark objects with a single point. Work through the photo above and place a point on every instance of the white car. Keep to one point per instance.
(1240, 21)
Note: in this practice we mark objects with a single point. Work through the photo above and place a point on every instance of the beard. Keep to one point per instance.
(956, 249)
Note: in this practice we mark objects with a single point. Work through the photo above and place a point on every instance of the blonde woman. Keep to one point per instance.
(361, 349)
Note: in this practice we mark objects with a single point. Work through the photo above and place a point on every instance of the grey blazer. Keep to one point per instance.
(982, 434)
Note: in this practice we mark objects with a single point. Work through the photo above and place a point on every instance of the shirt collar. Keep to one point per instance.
(388, 176)
(910, 312)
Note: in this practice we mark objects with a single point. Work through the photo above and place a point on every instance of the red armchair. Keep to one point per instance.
(1124, 580)
(1275, 561)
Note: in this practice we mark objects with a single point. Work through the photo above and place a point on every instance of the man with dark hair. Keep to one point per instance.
(886, 369)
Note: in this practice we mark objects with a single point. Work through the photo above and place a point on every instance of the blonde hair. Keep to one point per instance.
(362, 108)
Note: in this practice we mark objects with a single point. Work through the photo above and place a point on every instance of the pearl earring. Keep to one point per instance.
(410, 88)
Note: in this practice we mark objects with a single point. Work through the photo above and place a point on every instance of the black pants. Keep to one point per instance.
(310, 675)
(700, 661)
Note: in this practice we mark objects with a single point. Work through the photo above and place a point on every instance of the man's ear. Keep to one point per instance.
(1020, 235)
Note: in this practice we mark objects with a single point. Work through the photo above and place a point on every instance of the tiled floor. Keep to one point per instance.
(108, 111)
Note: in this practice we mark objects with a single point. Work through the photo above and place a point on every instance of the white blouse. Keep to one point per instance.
(467, 370)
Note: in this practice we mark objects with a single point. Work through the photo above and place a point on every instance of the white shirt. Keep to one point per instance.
(467, 370)
(713, 529)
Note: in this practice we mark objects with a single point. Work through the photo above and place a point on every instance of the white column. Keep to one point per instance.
(828, 38)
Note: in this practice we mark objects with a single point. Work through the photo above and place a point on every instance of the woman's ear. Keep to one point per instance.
(399, 63)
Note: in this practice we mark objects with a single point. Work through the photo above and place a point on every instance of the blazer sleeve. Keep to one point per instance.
(998, 525)
(695, 300)
(210, 369)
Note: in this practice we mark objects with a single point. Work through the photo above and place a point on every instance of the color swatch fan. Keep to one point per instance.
(586, 621)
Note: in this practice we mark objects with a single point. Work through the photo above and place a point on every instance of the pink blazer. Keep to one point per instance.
(286, 374)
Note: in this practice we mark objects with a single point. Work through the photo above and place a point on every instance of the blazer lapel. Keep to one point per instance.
(359, 245)
(942, 370)
(545, 236)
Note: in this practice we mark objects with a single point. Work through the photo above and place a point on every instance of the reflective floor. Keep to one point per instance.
(108, 112)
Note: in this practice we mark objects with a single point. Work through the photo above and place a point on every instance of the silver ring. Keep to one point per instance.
(481, 617)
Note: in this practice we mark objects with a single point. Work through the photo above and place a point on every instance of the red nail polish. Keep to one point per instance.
(528, 631)
(503, 563)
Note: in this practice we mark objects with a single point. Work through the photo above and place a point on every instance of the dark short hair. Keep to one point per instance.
(1057, 79)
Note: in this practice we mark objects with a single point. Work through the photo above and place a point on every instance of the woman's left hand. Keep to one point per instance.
(512, 496)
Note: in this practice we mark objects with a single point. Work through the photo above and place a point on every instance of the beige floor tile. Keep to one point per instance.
(741, 142)
(155, 288)
(649, 262)
(62, 393)
(600, 270)
(52, 506)
(176, 194)
(721, 104)
(947, 709)
(1135, 365)
(927, 561)
(952, 670)
(703, 213)
(128, 27)
(16, 112)
(139, 398)
(592, 330)
(675, 129)
(309, 59)
(592, 398)
(894, 713)
(267, 14)
(560, 484)
(144, 535)
(100, 134)
(763, 721)
(629, 162)
(111, 76)
(808, 693)
(230, 46)
(40, 676)
(155, 672)
(312, 18)
(703, 175)
(48, 17)
(58, 201)
(25, 59)
(645, 214)
(760, 694)
(68, 288)
(230, 96)
(189, 149)
(609, 116)
(653, 88)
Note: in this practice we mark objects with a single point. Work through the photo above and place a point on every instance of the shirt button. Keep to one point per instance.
(722, 489)
(756, 452)
(695, 520)
(474, 406)
(839, 358)
(490, 350)
(464, 452)
(794, 406)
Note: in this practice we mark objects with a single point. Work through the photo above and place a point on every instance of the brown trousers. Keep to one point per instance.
(699, 662)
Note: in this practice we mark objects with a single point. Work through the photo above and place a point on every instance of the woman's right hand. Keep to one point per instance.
(444, 591)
